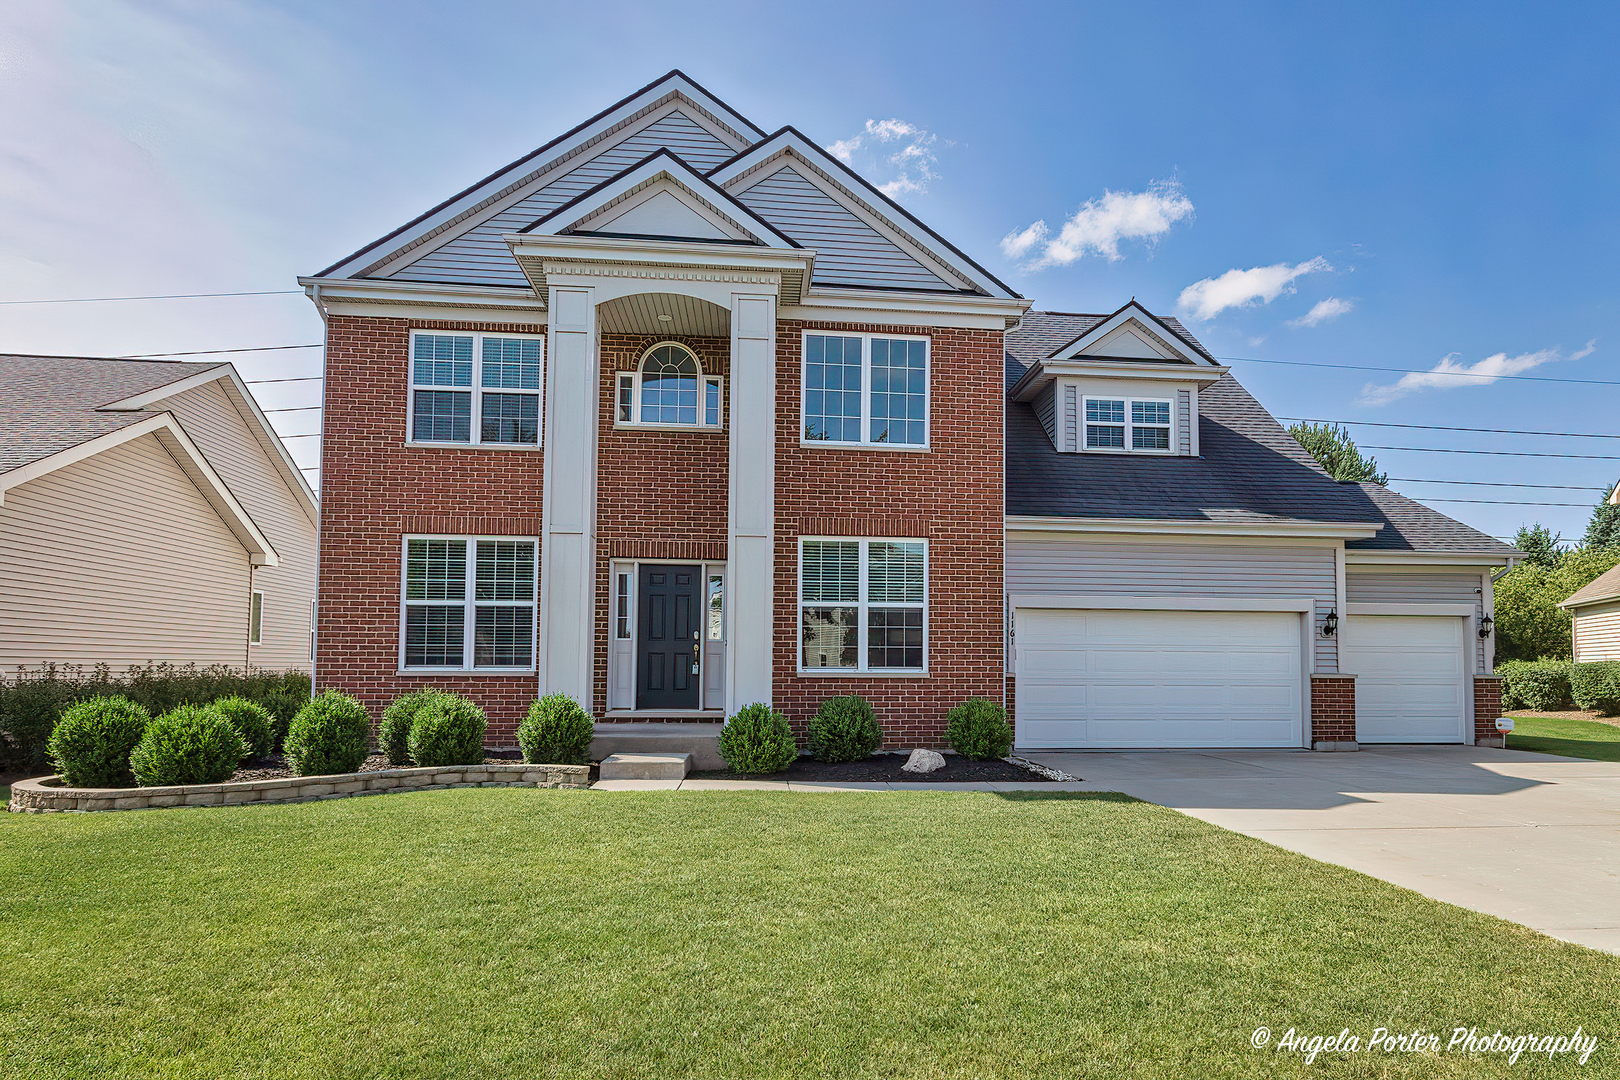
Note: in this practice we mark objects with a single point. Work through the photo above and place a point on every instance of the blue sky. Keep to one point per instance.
(1435, 181)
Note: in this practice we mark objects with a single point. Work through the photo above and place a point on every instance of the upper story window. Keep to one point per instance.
(669, 389)
(865, 390)
(1128, 424)
(476, 389)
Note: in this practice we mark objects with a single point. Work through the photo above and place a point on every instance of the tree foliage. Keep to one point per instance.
(1603, 530)
(1334, 449)
(1540, 546)
(1529, 623)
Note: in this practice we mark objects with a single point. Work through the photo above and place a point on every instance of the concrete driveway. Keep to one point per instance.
(1528, 837)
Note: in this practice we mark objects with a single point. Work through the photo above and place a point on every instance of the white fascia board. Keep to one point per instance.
(1044, 371)
(1417, 561)
(1417, 608)
(583, 247)
(1159, 603)
(408, 299)
(560, 154)
(1133, 310)
(186, 455)
(140, 401)
(824, 172)
(1329, 530)
(1596, 601)
(826, 304)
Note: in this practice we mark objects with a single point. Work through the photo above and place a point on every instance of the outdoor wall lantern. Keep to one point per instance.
(1330, 624)
(1485, 624)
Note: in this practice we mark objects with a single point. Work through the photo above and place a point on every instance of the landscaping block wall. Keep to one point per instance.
(1333, 709)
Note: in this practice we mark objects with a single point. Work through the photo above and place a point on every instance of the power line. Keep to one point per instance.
(301, 408)
(166, 296)
(304, 378)
(1415, 371)
(1496, 453)
(214, 352)
(306, 435)
(1493, 483)
(1506, 502)
(1439, 427)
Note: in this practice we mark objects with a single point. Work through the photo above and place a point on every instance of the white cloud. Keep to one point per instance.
(1448, 374)
(912, 164)
(1100, 225)
(1324, 311)
(1203, 300)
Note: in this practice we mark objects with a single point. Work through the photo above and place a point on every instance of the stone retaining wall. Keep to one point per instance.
(42, 795)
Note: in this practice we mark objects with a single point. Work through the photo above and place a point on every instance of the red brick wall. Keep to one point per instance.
(1487, 707)
(374, 489)
(1333, 708)
(950, 495)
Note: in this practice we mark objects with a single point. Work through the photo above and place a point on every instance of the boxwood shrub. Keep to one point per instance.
(557, 731)
(191, 744)
(447, 730)
(1596, 686)
(844, 729)
(93, 740)
(252, 721)
(758, 740)
(978, 729)
(1537, 685)
(394, 733)
(328, 735)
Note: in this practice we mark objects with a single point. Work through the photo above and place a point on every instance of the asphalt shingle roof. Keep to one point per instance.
(48, 403)
(1605, 586)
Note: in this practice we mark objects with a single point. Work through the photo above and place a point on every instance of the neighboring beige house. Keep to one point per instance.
(1595, 618)
(148, 513)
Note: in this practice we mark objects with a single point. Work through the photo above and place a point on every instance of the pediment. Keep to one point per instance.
(1133, 334)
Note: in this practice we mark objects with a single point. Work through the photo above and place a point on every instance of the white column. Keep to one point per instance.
(750, 530)
(568, 506)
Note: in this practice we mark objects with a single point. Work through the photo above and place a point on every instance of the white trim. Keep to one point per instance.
(1465, 611)
(424, 300)
(1420, 561)
(476, 391)
(828, 303)
(1133, 312)
(1325, 530)
(255, 595)
(705, 380)
(861, 605)
(1157, 603)
(865, 419)
(1128, 426)
(469, 604)
(185, 454)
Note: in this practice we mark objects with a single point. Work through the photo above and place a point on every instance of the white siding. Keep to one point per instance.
(1437, 587)
(118, 559)
(1597, 632)
(227, 441)
(1078, 568)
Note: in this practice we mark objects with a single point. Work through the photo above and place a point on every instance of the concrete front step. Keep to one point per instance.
(646, 766)
(702, 741)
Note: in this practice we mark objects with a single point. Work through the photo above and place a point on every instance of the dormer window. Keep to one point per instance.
(1138, 424)
(669, 389)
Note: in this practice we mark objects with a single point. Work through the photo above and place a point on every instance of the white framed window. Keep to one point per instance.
(475, 389)
(255, 618)
(865, 390)
(863, 605)
(468, 603)
(1132, 424)
(669, 389)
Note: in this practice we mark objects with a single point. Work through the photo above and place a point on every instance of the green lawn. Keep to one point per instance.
(510, 932)
(1572, 738)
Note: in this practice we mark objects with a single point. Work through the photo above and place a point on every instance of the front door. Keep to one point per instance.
(671, 628)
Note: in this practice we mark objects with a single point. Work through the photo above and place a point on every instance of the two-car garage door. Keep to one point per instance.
(1107, 678)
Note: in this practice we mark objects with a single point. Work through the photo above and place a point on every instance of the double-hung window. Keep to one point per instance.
(469, 603)
(863, 605)
(1127, 424)
(668, 389)
(476, 389)
(865, 390)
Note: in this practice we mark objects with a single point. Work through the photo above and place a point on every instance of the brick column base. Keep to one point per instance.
(1487, 707)
(1333, 712)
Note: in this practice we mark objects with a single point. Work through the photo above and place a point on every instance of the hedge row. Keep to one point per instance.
(1557, 685)
(758, 739)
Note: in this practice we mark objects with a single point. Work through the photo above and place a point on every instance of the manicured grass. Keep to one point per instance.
(1572, 738)
(487, 932)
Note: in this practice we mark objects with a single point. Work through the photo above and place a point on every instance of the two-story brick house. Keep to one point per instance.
(673, 415)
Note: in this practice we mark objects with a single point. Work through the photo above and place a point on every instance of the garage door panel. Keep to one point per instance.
(1411, 673)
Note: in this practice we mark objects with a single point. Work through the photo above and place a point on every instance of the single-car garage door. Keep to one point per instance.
(1105, 678)
(1411, 676)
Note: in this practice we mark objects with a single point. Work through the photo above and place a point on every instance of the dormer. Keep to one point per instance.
(1128, 383)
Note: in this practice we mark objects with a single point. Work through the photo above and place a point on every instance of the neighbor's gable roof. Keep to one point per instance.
(1603, 588)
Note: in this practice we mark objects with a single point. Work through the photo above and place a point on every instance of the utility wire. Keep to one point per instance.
(215, 352)
(166, 296)
(1506, 502)
(304, 378)
(300, 408)
(306, 435)
(1495, 453)
(1439, 427)
(1493, 483)
(1415, 371)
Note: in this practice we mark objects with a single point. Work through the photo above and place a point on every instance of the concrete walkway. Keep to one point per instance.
(1529, 837)
(800, 785)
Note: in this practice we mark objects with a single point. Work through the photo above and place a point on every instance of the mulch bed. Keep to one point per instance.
(881, 767)
(273, 768)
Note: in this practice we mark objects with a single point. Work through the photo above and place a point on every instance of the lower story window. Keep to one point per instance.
(863, 604)
(469, 603)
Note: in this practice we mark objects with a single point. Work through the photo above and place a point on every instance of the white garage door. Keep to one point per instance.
(1158, 678)
(1410, 677)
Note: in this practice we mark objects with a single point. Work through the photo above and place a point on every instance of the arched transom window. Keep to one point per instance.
(669, 389)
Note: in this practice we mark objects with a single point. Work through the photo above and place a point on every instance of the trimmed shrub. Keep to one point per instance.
(191, 744)
(394, 733)
(758, 740)
(557, 731)
(93, 740)
(1596, 686)
(328, 735)
(252, 721)
(844, 729)
(1538, 685)
(447, 730)
(978, 729)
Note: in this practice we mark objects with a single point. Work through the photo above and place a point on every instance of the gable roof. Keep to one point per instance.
(1408, 525)
(1160, 332)
(1046, 333)
(1606, 586)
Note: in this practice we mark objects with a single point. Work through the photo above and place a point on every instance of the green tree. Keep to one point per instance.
(1529, 623)
(1603, 530)
(1334, 449)
(1539, 545)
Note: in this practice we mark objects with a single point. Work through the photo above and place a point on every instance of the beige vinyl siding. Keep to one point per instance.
(1058, 566)
(1597, 632)
(119, 560)
(215, 424)
(1427, 587)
